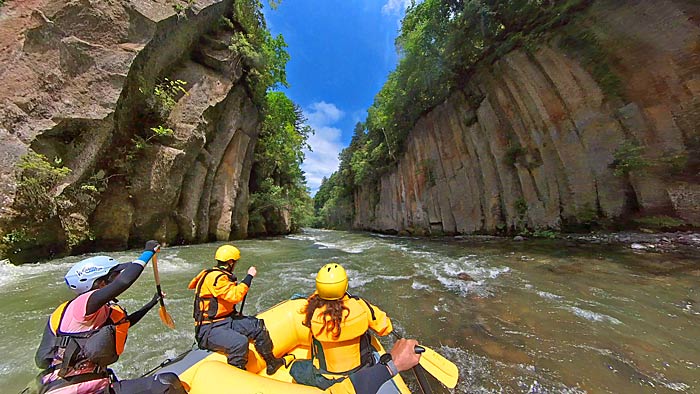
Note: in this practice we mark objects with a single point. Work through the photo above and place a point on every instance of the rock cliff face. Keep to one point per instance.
(598, 122)
(81, 82)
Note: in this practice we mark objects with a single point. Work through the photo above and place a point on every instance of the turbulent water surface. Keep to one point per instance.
(528, 317)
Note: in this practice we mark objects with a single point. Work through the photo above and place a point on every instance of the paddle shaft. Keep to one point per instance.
(157, 278)
(240, 312)
(442, 369)
(422, 379)
(419, 371)
(154, 260)
(164, 316)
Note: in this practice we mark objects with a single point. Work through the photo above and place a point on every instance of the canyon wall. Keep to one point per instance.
(597, 122)
(92, 154)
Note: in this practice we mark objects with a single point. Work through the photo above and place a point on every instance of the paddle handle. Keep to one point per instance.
(419, 349)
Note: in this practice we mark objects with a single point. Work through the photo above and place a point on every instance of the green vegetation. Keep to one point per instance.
(36, 200)
(333, 203)
(181, 9)
(521, 212)
(594, 59)
(264, 57)
(539, 233)
(161, 131)
(587, 215)
(659, 223)
(97, 183)
(36, 181)
(277, 182)
(513, 153)
(675, 163)
(441, 44)
(13, 239)
(425, 168)
(167, 92)
(162, 98)
(139, 143)
(628, 157)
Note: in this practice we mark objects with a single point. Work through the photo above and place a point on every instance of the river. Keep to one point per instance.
(540, 316)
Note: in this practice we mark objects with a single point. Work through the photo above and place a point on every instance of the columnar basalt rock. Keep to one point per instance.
(541, 149)
(79, 79)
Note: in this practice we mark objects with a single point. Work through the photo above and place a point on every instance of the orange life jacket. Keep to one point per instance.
(215, 295)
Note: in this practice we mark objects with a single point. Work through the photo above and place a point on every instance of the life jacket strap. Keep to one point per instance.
(366, 355)
(71, 350)
(67, 381)
(206, 316)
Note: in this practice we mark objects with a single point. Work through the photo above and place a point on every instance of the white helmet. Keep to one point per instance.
(81, 276)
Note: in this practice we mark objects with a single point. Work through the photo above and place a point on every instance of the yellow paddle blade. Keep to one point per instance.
(441, 368)
(165, 318)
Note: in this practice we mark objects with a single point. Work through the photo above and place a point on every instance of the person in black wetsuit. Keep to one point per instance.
(86, 334)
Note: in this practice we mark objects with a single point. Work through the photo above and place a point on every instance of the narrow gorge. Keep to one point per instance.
(594, 122)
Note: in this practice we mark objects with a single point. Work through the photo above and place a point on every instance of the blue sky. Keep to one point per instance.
(341, 53)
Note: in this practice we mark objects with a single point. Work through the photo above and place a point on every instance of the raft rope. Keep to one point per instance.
(169, 361)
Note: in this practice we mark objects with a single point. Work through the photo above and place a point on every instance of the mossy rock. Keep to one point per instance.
(660, 223)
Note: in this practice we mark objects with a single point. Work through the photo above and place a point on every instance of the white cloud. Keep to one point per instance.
(323, 113)
(325, 143)
(395, 7)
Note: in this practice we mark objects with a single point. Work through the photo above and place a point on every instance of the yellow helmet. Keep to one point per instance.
(331, 282)
(226, 253)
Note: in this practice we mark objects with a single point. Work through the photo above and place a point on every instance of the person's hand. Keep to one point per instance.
(152, 246)
(157, 296)
(404, 355)
(252, 271)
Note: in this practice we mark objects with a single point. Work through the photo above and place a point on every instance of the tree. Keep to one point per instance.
(277, 182)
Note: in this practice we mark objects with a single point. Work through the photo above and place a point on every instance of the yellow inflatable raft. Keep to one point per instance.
(205, 372)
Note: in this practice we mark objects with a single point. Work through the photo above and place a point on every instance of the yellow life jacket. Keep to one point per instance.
(352, 348)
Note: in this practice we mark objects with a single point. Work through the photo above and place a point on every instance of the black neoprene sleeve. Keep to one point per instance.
(369, 380)
(102, 296)
(136, 316)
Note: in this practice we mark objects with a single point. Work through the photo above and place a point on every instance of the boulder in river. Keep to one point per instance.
(465, 277)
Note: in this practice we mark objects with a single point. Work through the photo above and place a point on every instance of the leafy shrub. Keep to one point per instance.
(674, 163)
(513, 153)
(544, 233)
(161, 131)
(587, 215)
(167, 91)
(520, 206)
(628, 157)
(14, 239)
(180, 9)
(36, 180)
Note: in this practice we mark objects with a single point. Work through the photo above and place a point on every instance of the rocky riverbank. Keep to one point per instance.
(661, 242)
(687, 241)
